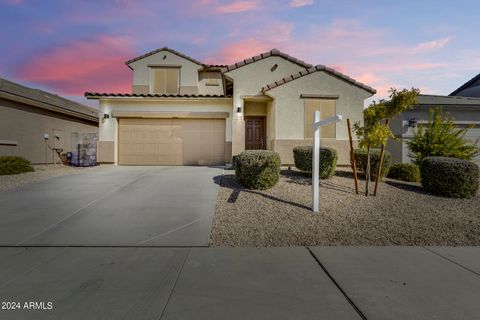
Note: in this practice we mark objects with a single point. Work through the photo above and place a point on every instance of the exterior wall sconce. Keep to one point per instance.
(106, 116)
(412, 123)
(239, 109)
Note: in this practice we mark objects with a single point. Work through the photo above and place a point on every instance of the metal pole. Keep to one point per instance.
(315, 163)
(379, 171)
(46, 153)
(352, 156)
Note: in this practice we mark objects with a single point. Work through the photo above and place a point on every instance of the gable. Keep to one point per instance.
(271, 53)
(164, 58)
(250, 78)
(317, 68)
(163, 50)
(470, 89)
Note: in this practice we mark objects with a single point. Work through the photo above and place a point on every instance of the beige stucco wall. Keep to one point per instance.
(188, 71)
(248, 81)
(285, 149)
(290, 108)
(290, 111)
(270, 124)
(27, 129)
(109, 128)
(210, 83)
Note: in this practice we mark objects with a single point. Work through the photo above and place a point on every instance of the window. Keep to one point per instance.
(327, 109)
(165, 80)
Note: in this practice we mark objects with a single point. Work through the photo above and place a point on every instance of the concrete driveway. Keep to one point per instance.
(113, 206)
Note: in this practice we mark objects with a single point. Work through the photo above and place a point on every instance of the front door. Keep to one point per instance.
(255, 133)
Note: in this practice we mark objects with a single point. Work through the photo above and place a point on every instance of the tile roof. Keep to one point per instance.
(45, 100)
(273, 52)
(437, 100)
(465, 85)
(163, 49)
(96, 95)
(315, 69)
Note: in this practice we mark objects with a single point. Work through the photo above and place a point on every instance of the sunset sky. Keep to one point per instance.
(69, 47)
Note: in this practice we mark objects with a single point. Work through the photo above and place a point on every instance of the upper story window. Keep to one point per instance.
(165, 80)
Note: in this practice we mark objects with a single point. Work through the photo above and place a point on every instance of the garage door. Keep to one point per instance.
(171, 141)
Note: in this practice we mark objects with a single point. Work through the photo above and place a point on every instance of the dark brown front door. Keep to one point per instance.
(254, 133)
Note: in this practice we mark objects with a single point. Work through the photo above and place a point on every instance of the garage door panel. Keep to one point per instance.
(171, 141)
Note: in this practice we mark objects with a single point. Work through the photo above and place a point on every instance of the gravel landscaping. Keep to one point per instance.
(401, 214)
(42, 172)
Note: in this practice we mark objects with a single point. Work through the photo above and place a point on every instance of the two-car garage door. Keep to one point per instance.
(171, 141)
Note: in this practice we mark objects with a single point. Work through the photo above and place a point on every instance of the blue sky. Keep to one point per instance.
(69, 47)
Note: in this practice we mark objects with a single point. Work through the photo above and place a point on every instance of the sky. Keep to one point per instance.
(69, 47)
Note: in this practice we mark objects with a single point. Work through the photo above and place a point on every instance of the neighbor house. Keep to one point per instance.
(463, 110)
(184, 112)
(471, 88)
(28, 116)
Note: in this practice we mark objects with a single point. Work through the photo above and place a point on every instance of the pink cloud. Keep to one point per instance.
(238, 51)
(300, 3)
(236, 6)
(432, 45)
(83, 65)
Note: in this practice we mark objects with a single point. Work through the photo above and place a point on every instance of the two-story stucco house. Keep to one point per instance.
(184, 112)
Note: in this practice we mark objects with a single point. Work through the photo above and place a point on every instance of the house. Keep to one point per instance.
(184, 112)
(469, 89)
(465, 112)
(27, 115)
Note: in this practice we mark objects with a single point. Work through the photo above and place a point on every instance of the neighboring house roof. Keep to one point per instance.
(436, 100)
(474, 82)
(41, 99)
(96, 95)
(273, 52)
(315, 69)
(163, 49)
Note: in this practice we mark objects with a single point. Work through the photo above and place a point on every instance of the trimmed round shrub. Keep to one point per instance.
(14, 165)
(302, 156)
(361, 160)
(450, 177)
(405, 171)
(257, 169)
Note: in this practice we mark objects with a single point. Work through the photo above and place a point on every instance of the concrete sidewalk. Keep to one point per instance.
(241, 283)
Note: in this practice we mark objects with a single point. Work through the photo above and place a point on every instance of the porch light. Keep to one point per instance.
(106, 116)
(412, 123)
(239, 109)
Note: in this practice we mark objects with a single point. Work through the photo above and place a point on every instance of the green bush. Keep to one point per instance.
(14, 165)
(257, 169)
(361, 160)
(441, 138)
(302, 156)
(405, 172)
(450, 177)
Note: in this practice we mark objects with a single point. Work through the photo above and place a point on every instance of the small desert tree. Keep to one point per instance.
(375, 131)
(441, 137)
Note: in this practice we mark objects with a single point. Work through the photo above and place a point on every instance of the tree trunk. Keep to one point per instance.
(367, 173)
(379, 170)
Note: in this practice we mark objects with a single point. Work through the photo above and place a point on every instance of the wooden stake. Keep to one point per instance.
(352, 157)
(379, 171)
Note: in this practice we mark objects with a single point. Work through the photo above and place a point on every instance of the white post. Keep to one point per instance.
(315, 161)
(316, 155)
